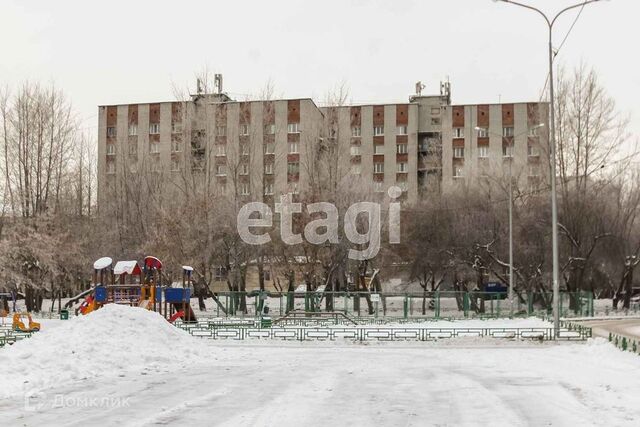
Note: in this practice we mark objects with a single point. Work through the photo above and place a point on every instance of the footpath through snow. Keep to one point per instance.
(113, 341)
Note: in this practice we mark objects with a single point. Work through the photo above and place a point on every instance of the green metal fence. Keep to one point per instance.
(625, 343)
(379, 333)
(10, 336)
(447, 304)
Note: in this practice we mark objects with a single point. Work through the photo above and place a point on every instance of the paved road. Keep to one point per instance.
(627, 327)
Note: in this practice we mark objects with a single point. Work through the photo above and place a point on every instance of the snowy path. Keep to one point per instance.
(275, 384)
(626, 327)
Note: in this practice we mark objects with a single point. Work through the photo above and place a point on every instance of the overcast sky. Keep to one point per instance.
(131, 51)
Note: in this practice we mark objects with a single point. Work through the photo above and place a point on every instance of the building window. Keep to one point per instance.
(458, 132)
(378, 149)
(176, 146)
(483, 132)
(356, 169)
(268, 169)
(244, 130)
(435, 111)
(133, 167)
(293, 188)
(111, 149)
(244, 149)
(293, 168)
(378, 167)
(378, 130)
(401, 130)
(507, 131)
(403, 186)
(111, 132)
(221, 131)
(355, 150)
(483, 151)
(221, 170)
(244, 169)
(266, 275)
(534, 170)
(269, 129)
(402, 149)
(154, 128)
(175, 165)
(458, 172)
(533, 131)
(532, 150)
(293, 128)
(221, 150)
(269, 148)
(155, 166)
(268, 189)
(133, 149)
(356, 131)
(378, 187)
(293, 148)
(111, 167)
(458, 152)
(435, 121)
(176, 127)
(507, 150)
(154, 147)
(244, 189)
(402, 167)
(133, 129)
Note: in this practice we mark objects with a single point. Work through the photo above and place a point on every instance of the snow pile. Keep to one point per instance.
(113, 341)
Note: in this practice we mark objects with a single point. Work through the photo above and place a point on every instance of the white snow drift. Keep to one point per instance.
(111, 341)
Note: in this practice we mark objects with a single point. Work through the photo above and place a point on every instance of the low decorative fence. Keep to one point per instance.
(624, 343)
(367, 333)
(10, 336)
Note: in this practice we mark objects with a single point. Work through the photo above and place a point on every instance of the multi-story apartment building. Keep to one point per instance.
(258, 150)
(485, 144)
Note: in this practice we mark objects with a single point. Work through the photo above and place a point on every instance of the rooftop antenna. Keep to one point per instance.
(419, 87)
(445, 91)
(199, 87)
(217, 83)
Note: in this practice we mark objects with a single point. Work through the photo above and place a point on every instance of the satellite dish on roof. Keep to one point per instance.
(102, 263)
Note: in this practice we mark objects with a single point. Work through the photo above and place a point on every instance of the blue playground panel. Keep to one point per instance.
(101, 294)
(177, 295)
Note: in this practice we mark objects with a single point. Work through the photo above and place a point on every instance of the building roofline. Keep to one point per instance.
(497, 103)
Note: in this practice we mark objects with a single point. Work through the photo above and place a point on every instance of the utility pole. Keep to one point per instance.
(552, 160)
(512, 278)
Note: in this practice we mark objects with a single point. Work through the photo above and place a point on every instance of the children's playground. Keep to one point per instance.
(134, 349)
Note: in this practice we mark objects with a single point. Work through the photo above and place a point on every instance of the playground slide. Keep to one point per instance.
(78, 297)
(189, 312)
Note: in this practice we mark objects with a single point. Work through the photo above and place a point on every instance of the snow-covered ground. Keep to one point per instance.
(127, 366)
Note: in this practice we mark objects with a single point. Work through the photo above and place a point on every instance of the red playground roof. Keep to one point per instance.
(152, 262)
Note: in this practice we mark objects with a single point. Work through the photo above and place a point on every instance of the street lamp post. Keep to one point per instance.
(552, 144)
(512, 278)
